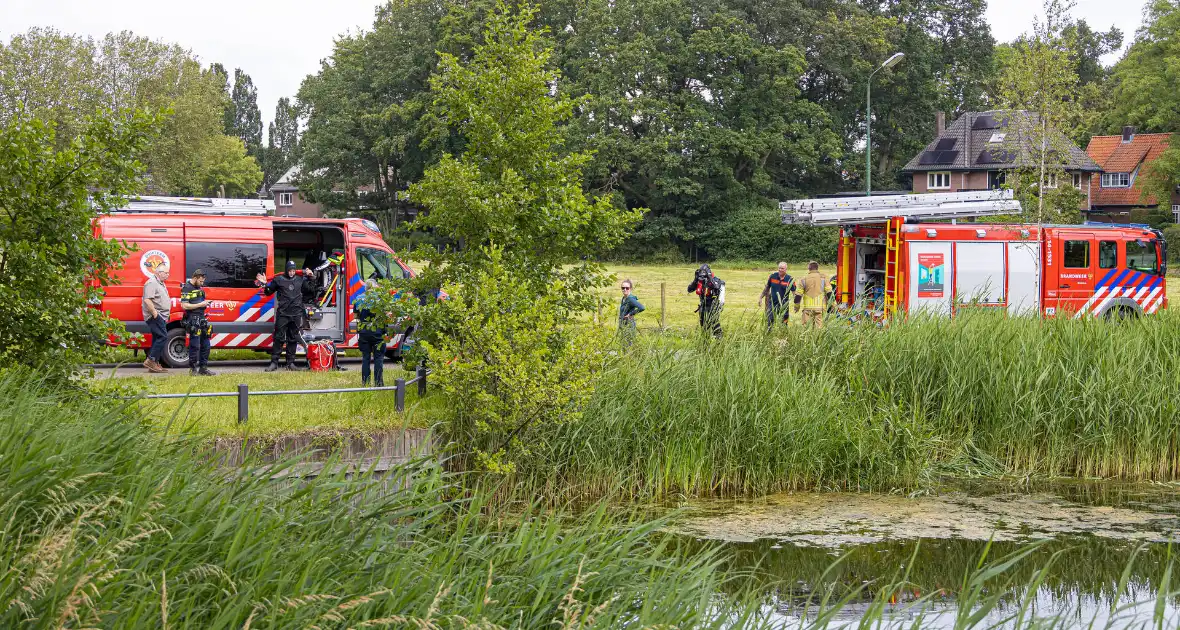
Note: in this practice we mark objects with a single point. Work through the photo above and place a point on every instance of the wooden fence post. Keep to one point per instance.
(421, 382)
(663, 306)
(399, 395)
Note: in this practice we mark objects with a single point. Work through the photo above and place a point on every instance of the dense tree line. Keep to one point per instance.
(209, 140)
(701, 111)
(705, 112)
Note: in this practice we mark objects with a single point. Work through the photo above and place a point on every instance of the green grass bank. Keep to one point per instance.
(870, 409)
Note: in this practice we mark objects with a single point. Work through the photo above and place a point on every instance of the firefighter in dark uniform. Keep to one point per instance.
(778, 287)
(289, 312)
(196, 324)
(709, 289)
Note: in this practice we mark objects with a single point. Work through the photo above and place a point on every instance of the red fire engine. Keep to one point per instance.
(909, 253)
(232, 241)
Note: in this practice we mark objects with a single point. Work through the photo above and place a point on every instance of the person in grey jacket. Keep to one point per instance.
(629, 307)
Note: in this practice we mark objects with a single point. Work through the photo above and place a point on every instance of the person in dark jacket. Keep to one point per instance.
(196, 324)
(629, 307)
(709, 289)
(778, 287)
(371, 338)
(291, 289)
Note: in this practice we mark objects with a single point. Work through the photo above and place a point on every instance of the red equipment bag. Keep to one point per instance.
(321, 356)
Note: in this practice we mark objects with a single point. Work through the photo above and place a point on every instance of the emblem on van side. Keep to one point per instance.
(152, 260)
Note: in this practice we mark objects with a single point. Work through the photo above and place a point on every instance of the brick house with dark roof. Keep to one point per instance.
(976, 151)
(288, 199)
(1124, 159)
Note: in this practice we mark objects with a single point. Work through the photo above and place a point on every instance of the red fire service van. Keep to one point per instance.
(905, 253)
(233, 241)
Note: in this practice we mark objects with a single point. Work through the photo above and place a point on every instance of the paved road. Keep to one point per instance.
(104, 370)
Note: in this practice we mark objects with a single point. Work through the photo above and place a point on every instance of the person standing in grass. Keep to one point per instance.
(710, 292)
(813, 290)
(778, 287)
(156, 305)
(629, 307)
(372, 338)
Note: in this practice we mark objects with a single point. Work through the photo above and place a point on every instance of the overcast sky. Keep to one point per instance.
(278, 43)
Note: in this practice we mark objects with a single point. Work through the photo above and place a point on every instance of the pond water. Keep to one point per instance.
(802, 547)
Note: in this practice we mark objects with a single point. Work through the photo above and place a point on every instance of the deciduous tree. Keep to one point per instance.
(1039, 88)
(65, 79)
(51, 263)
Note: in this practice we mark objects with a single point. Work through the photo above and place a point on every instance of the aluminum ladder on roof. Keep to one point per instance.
(930, 207)
(196, 205)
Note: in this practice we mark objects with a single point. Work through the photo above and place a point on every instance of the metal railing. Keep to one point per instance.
(243, 394)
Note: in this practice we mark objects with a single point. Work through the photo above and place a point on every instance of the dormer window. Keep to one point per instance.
(997, 138)
(1116, 180)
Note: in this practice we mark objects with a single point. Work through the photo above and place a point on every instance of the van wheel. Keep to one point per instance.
(176, 350)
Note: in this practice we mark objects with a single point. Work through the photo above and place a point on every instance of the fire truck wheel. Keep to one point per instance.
(1121, 314)
(176, 352)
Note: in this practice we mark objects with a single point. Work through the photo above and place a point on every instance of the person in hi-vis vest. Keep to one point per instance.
(812, 296)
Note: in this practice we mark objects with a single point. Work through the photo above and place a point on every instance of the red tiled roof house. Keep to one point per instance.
(1124, 159)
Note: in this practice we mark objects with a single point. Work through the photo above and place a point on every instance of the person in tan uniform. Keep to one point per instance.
(812, 295)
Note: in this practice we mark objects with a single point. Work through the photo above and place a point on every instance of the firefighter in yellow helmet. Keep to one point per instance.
(812, 296)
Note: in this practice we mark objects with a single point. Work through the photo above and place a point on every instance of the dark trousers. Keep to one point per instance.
(157, 326)
(198, 349)
(286, 334)
(710, 318)
(777, 313)
(372, 350)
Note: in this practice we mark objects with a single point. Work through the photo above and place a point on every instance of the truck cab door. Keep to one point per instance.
(1073, 272)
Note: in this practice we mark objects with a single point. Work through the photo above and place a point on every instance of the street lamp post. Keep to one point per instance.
(889, 63)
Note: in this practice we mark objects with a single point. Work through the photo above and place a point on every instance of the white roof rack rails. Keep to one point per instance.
(936, 206)
(197, 205)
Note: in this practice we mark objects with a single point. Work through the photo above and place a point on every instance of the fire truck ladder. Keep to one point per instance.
(892, 264)
(928, 207)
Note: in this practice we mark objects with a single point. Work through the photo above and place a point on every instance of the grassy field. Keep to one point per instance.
(274, 415)
(743, 284)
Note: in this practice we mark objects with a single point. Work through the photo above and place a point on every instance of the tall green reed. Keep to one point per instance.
(105, 524)
(867, 408)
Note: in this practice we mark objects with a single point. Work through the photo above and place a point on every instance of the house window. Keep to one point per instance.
(1077, 181)
(995, 180)
(936, 181)
(1175, 214)
(1116, 180)
(997, 138)
(285, 199)
(1051, 180)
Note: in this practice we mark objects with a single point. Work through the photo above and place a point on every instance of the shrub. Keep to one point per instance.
(51, 263)
(756, 232)
(510, 367)
(1172, 236)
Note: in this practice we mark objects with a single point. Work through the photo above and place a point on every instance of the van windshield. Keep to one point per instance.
(373, 264)
(1141, 256)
